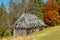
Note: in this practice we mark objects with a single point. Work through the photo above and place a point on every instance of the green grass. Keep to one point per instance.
(52, 36)
(50, 33)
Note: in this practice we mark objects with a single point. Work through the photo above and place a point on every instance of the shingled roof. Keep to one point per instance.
(27, 20)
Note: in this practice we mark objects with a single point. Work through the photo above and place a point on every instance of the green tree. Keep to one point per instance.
(2, 19)
(36, 7)
(3, 6)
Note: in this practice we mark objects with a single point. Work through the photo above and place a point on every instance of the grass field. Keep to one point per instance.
(50, 33)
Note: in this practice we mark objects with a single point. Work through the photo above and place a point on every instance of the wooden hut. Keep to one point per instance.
(27, 24)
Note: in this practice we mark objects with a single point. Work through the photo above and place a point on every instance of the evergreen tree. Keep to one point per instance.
(36, 7)
(3, 6)
(3, 19)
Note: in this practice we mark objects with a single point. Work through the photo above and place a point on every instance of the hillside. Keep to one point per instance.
(50, 33)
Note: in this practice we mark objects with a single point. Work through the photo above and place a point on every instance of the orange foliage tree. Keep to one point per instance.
(51, 15)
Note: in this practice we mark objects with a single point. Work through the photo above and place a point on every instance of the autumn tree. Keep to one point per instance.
(51, 14)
